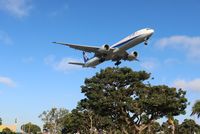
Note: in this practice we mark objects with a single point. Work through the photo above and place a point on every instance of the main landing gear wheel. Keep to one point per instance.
(102, 60)
(146, 41)
(117, 63)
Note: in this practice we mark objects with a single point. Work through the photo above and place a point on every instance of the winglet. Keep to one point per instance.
(59, 43)
(55, 42)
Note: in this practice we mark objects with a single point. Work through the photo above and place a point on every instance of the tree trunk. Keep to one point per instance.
(140, 128)
(29, 128)
(110, 131)
(173, 129)
(91, 124)
(171, 122)
(149, 129)
(124, 130)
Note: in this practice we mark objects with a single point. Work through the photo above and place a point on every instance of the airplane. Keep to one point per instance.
(116, 52)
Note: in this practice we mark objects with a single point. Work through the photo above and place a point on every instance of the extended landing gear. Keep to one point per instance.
(117, 63)
(146, 41)
(102, 60)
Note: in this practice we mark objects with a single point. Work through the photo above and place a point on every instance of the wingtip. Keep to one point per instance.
(58, 43)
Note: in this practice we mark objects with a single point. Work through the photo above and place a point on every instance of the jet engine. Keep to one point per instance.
(132, 56)
(104, 49)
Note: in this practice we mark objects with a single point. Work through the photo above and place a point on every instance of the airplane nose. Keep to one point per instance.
(152, 31)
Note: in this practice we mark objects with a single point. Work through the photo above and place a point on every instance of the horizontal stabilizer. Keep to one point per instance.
(137, 60)
(76, 63)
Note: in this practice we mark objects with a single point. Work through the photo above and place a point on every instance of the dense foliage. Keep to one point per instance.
(30, 128)
(196, 109)
(7, 131)
(188, 127)
(122, 100)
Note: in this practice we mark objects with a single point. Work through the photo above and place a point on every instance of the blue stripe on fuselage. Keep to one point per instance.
(118, 45)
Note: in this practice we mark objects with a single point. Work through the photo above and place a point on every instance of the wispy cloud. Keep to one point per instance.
(62, 64)
(17, 8)
(190, 44)
(5, 38)
(171, 61)
(28, 60)
(149, 64)
(188, 84)
(59, 11)
(7, 81)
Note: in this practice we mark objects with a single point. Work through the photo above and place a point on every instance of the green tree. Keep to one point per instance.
(84, 121)
(167, 127)
(30, 128)
(0, 121)
(73, 122)
(196, 109)
(53, 119)
(158, 101)
(129, 101)
(7, 131)
(153, 128)
(189, 126)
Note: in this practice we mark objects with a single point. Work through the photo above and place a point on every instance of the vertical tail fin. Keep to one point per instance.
(85, 57)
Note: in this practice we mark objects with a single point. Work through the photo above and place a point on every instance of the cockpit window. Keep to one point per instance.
(147, 29)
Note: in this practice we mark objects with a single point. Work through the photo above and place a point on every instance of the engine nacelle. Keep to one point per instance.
(132, 56)
(104, 49)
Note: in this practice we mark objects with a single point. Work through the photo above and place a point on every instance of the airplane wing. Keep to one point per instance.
(123, 55)
(82, 48)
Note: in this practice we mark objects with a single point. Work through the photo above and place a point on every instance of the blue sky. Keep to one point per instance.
(35, 76)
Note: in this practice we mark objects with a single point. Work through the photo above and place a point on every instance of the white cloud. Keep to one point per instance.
(62, 64)
(7, 81)
(190, 44)
(188, 85)
(5, 38)
(17, 8)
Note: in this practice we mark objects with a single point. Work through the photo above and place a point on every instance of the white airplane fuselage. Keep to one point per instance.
(130, 41)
